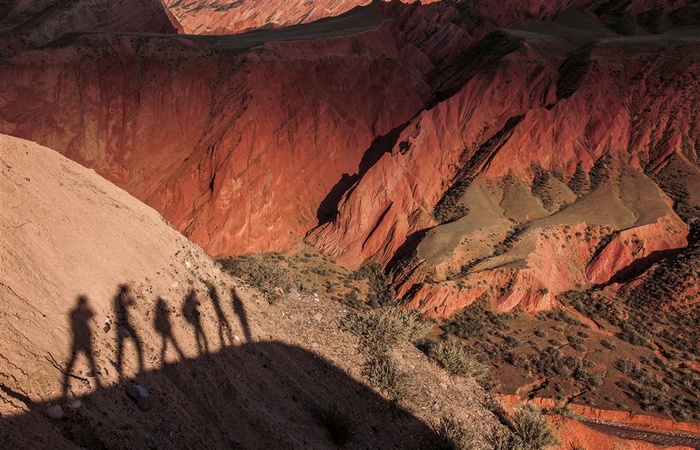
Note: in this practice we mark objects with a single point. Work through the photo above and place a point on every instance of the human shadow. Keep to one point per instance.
(125, 329)
(239, 310)
(164, 327)
(222, 321)
(80, 317)
(256, 395)
(191, 313)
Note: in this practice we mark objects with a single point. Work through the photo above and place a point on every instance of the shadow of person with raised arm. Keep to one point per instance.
(125, 330)
(80, 317)
(224, 325)
(239, 309)
(193, 316)
(165, 328)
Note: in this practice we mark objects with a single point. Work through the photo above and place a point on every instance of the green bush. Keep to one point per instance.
(381, 292)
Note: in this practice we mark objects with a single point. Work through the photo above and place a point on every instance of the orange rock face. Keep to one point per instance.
(558, 117)
(223, 17)
(236, 150)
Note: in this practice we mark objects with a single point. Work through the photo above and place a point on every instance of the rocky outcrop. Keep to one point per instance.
(640, 421)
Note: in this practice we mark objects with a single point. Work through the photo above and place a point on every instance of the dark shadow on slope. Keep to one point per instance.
(328, 208)
(641, 265)
(483, 57)
(80, 317)
(164, 327)
(260, 395)
(224, 327)
(239, 310)
(408, 248)
(190, 310)
(125, 329)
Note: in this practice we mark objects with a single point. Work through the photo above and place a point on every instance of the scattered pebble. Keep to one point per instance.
(55, 412)
(150, 441)
(140, 396)
(75, 404)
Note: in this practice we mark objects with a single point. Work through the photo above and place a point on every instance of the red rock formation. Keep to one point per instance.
(224, 17)
(236, 150)
(258, 137)
(620, 417)
(537, 124)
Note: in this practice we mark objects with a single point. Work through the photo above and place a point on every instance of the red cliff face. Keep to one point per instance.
(230, 147)
(515, 163)
(221, 17)
(590, 113)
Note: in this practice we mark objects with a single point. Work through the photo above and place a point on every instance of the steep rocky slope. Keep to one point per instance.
(243, 161)
(275, 130)
(103, 299)
(548, 167)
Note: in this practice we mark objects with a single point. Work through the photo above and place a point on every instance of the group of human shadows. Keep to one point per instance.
(81, 316)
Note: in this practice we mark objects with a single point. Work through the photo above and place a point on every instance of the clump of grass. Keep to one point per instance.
(453, 435)
(533, 429)
(340, 428)
(383, 373)
(261, 271)
(380, 329)
(381, 292)
(505, 440)
(529, 431)
(456, 360)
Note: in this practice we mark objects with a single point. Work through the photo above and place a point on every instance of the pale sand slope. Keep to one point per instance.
(66, 233)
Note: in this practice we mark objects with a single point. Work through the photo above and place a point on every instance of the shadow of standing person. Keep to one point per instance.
(165, 329)
(224, 325)
(192, 315)
(125, 329)
(239, 309)
(80, 317)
